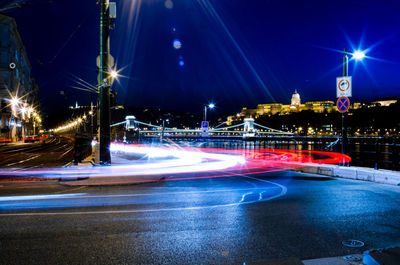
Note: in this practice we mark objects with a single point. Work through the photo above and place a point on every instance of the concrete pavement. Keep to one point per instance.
(200, 221)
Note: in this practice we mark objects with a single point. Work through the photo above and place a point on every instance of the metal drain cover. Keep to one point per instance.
(352, 243)
(351, 258)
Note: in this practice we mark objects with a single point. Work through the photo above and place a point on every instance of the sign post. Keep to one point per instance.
(204, 128)
(343, 92)
(343, 105)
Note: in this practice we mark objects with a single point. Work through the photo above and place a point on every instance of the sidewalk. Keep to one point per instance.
(388, 256)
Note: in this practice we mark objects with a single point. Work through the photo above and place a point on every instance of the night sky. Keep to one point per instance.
(233, 52)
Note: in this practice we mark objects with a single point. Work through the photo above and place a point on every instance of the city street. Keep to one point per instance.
(54, 151)
(199, 132)
(200, 221)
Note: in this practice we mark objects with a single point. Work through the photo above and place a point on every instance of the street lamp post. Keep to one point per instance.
(104, 84)
(204, 124)
(163, 129)
(210, 106)
(357, 55)
(344, 114)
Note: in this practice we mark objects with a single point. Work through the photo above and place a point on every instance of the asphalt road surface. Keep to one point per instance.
(202, 221)
(54, 151)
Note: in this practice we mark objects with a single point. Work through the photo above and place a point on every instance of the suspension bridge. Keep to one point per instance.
(247, 129)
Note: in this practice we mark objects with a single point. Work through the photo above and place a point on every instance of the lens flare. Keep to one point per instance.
(358, 55)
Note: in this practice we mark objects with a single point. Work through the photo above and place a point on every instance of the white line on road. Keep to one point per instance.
(22, 161)
(84, 196)
(38, 197)
(283, 192)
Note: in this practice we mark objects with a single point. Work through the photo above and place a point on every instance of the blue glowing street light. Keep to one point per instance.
(358, 55)
(210, 106)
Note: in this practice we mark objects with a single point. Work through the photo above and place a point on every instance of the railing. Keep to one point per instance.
(377, 152)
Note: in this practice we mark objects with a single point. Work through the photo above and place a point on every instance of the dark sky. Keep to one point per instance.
(235, 52)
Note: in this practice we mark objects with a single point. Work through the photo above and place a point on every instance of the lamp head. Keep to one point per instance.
(114, 74)
(358, 55)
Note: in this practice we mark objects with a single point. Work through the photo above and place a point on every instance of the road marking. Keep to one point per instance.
(244, 196)
(134, 195)
(66, 152)
(38, 197)
(283, 192)
(284, 189)
(22, 161)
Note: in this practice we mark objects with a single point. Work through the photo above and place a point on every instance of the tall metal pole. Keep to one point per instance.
(345, 63)
(205, 113)
(344, 129)
(104, 84)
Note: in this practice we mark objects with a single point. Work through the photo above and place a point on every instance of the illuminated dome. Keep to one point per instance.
(295, 99)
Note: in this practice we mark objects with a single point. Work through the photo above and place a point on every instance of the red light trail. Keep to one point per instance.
(167, 163)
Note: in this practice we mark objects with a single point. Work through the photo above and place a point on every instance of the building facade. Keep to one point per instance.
(18, 90)
(320, 106)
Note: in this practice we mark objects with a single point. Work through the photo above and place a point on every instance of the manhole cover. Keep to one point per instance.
(352, 243)
(351, 258)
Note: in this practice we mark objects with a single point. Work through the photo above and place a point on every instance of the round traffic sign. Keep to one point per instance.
(343, 104)
(343, 85)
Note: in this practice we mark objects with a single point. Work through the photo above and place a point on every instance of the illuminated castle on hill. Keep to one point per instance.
(324, 106)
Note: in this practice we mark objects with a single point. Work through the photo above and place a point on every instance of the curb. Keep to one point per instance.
(388, 256)
(357, 173)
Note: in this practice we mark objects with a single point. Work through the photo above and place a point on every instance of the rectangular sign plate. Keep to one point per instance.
(343, 86)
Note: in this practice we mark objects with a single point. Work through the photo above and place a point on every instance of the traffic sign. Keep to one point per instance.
(343, 104)
(343, 86)
(204, 125)
(204, 128)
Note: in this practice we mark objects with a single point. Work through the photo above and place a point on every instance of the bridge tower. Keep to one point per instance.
(130, 122)
(248, 127)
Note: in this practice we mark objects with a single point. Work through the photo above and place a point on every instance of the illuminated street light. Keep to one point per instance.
(30, 110)
(114, 74)
(210, 106)
(358, 55)
(14, 101)
(24, 109)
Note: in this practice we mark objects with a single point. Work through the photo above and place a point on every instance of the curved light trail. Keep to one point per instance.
(178, 163)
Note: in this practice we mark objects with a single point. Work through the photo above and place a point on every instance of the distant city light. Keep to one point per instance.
(181, 63)
(358, 55)
(24, 110)
(177, 44)
(14, 101)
